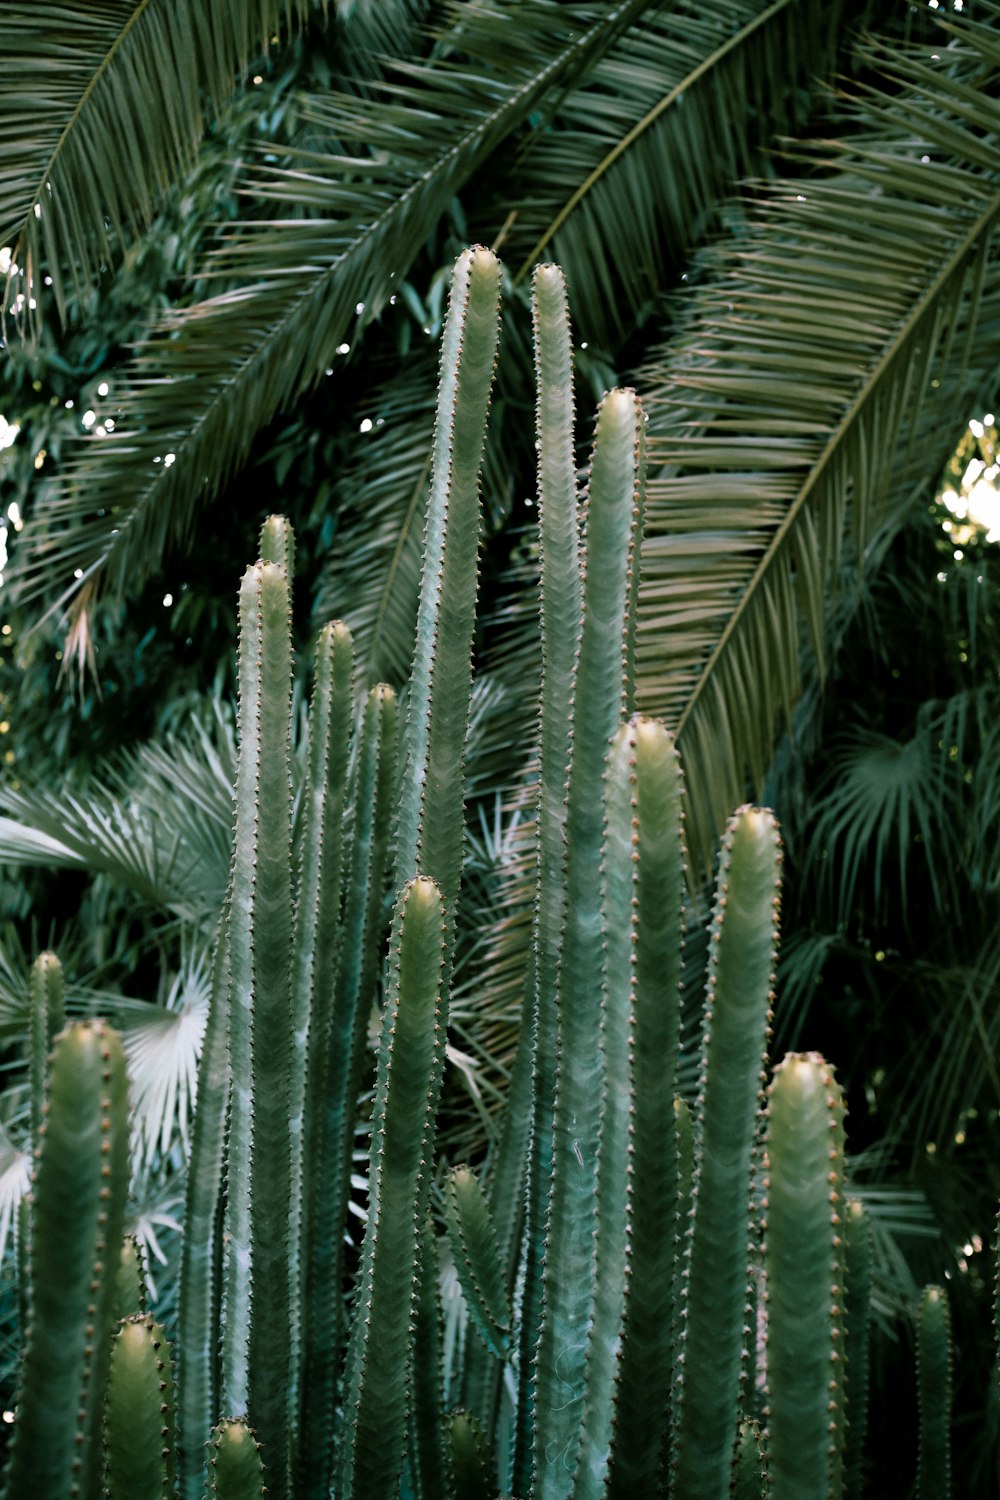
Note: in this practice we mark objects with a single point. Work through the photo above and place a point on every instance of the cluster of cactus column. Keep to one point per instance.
(663, 1297)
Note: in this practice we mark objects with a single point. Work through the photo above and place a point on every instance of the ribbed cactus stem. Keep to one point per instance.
(130, 1280)
(139, 1425)
(277, 544)
(235, 1471)
(530, 1129)
(628, 1365)
(46, 1017)
(316, 947)
(857, 1338)
(934, 1390)
(377, 1383)
(477, 1259)
(256, 1353)
(79, 1207)
(431, 822)
(742, 955)
(614, 524)
(803, 1266)
(470, 1459)
(749, 1471)
(371, 802)
(200, 1279)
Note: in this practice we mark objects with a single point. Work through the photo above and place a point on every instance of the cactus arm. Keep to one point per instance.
(428, 1460)
(749, 1472)
(431, 820)
(377, 1380)
(477, 1259)
(277, 544)
(934, 1388)
(315, 944)
(200, 1279)
(737, 1011)
(857, 1321)
(470, 1459)
(139, 1424)
(255, 1343)
(131, 1294)
(529, 1125)
(371, 799)
(614, 520)
(235, 1471)
(78, 1215)
(802, 1265)
(47, 1016)
(630, 1345)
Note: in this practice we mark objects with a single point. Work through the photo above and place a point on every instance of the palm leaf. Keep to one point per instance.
(211, 375)
(630, 175)
(15, 1180)
(162, 1045)
(781, 417)
(100, 109)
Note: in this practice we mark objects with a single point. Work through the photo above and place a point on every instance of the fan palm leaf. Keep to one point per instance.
(101, 106)
(781, 415)
(211, 375)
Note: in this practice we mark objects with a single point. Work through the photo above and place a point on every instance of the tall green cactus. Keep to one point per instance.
(743, 948)
(600, 693)
(377, 1382)
(140, 1417)
(804, 1277)
(77, 1221)
(934, 1389)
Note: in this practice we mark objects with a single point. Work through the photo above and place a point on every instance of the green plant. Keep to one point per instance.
(606, 1344)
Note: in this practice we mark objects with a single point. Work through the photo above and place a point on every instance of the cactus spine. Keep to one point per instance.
(804, 1275)
(77, 1221)
(857, 1328)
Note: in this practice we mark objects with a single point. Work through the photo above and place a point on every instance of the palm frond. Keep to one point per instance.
(211, 375)
(631, 172)
(15, 1178)
(819, 348)
(100, 108)
(162, 1046)
(159, 825)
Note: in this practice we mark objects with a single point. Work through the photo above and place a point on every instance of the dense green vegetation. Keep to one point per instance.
(238, 267)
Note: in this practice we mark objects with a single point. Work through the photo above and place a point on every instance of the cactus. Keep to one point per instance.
(934, 1387)
(804, 1275)
(77, 1220)
(629, 1346)
(411, 1054)
(600, 693)
(735, 1026)
(606, 1263)
(131, 1291)
(140, 1420)
(235, 1471)
(857, 1328)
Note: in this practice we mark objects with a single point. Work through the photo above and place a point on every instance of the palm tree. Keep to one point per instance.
(778, 221)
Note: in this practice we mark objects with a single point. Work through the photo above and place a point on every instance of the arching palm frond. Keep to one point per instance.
(630, 175)
(210, 376)
(162, 1046)
(816, 352)
(100, 108)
